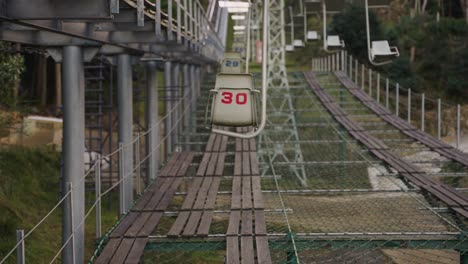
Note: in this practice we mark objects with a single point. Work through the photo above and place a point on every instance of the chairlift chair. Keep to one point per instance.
(232, 63)
(233, 102)
(289, 48)
(312, 35)
(298, 43)
(380, 48)
(331, 43)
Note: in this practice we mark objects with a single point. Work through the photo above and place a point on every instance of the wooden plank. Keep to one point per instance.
(155, 196)
(263, 250)
(124, 225)
(136, 253)
(108, 251)
(220, 164)
(260, 224)
(211, 199)
(209, 144)
(246, 193)
(246, 223)
(247, 250)
(184, 164)
(205, 223)
(179, 224)
(452, 194)
(253, 144)
(192, 223)
(232, 250)
(123, 250)
(224, 143)
(151, 224)
(246, 163)
(203, 164)
(238, 164)
(169, 165)
(254, 163)
(238, 145)
(175, 168)
(236, 193)
(217, 143)
(257, 193)
(166, 200)
(146, 197)
(202, 193)
(212, 164)
(137, 224)
(245, 145)
(233, 226)
(192, 193)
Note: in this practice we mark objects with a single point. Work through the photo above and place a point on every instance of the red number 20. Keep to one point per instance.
(241, 98)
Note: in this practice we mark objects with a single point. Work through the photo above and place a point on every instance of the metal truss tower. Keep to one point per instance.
(282, 137)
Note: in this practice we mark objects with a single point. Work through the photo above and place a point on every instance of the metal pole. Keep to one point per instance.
(362, 76)
(20, 256)
(409, 106)
(356, 69)
(98, 197)
(378, 87)
(175, 101)
(423, 109)
(387, 88)
(152, 137)
(370, 83)
(439, 117)
(73, 149)
(458, 125)
(125, 110)
(168, 102)
(397, 99)
(138, 164)
(193, 92)
(332, 62)
(187, 101)
(73, 252)
(350, 67)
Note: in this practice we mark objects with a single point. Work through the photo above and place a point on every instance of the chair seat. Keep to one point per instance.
(312, 35)
(298, 43)
(334, 41)
(382, 48)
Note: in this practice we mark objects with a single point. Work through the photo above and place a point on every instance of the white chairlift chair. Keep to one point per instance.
(232, 63)
(298, 43)
(312, 35)
(331, 43)
(289, 48)
(378, 49)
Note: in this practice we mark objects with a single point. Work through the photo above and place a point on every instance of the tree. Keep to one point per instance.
(11, 68)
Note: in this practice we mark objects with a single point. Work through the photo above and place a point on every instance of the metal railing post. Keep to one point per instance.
(138, 164)
(397, 99)
(409, 105)
(20, 250)
(439, 117)
(378, 87)
(370, 82)
(70, 189)
(387, 88)
(363, 69)
(350, 74)
(356, 68)
(458, 125)
(97, 187)
(121, 179)
(423, 109)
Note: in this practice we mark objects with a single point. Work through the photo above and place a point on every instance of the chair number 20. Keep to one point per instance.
(241, 98)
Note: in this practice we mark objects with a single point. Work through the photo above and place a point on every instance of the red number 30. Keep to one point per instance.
(241, 98)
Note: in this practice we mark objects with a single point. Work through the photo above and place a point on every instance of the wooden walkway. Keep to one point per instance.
(128, 240)
(246, 236)
(455, 200)
(406, 128)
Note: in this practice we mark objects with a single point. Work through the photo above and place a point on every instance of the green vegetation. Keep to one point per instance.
(11, 68)
(433, 54)
(29, 188)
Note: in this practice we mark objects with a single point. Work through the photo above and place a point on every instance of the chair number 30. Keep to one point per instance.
(241, 98)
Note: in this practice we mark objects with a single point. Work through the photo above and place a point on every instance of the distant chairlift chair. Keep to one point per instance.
(312, 35)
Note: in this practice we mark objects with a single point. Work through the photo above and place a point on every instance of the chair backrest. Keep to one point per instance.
(298, 43)
(233, 103)
(312, 35)
(381, 47)
(232, 63)
(333, 41)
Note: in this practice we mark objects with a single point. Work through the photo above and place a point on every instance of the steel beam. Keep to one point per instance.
(72, 153)
(168, 106)
(188, 96)
(125, 110)
(152, 138)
